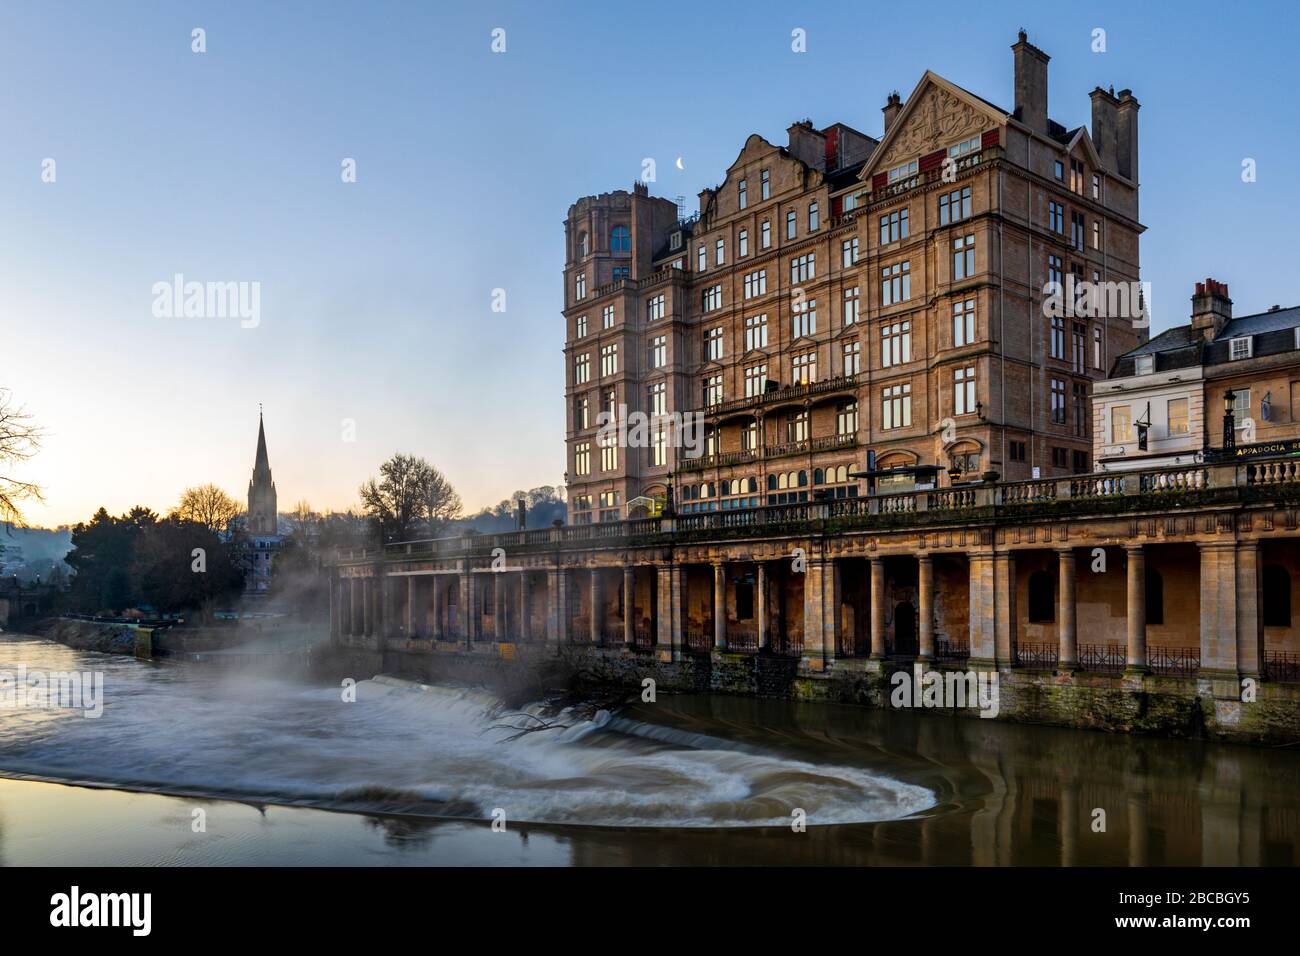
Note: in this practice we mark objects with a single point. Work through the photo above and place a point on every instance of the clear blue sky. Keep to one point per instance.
(376, 295)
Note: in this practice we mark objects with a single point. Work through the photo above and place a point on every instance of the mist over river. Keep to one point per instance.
(288, 772)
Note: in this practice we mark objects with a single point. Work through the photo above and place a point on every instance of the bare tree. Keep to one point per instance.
(410, 496)
(20, 439)
(209, 506)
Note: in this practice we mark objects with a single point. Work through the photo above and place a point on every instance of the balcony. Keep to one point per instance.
(932, 176)
(781, 395)
(1077, 495)
(781, 450)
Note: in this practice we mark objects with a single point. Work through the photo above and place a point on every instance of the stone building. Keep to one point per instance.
(1219, 387)
(846, 302)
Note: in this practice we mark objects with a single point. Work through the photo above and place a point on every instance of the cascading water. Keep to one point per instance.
(438, 751)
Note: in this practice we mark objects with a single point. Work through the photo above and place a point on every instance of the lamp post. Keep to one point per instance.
(1229, 425)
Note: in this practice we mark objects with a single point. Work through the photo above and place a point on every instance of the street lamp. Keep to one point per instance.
(1229, 425)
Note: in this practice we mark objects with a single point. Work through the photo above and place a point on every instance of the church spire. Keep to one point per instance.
(262, 511)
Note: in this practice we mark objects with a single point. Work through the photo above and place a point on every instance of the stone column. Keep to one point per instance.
(499, 624)
(1250, 611)
(410, 606)
(597, 609)
(1220, 614)
(983, 611)
(1137, 608)
(557, 606)
(878, 644)
(1004, 584)
(367, 606)
(669, 624)
(925, 603)
(335, 595)
(468, 607)
(760, 602)
(629, 606)
(436, 603)
(525, 610)
(354, 606)
(1067, 658)
(719, 606)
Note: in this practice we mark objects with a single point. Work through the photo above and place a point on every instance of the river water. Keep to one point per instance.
(283, 771)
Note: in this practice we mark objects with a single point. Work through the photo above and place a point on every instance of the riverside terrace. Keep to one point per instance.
(1154, 600)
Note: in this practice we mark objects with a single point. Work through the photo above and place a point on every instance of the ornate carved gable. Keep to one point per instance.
(937, 121)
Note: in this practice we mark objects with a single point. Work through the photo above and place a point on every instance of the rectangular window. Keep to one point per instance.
(582, 369)
(849, 252)
(954, 206)
(580, 286)
(608, 360)
(963, 322)
(654, 310)
(1058, 402)
(803, 268)
(658, 449)
(658, 395)
(713, 390)
(790, 220)
(804, 368)
(744, 243)
(1079, 462)
(767, 234)
(896, 406)
(1055, 272)
(720, 252)
(765, 182)
(1059, 457)
(756, 283)
(846, 420)
(701, 260)
(896, 283)
(1096, 233)
(582, 458)
(1177, 415)
(851, 303)
(1096, 186)
(1241, 406)
(893, 227)
(1057, 347)
(1080, 395)
(659, 351)
(755, 332)
(607, 317)
(1077, 230)
(713, 345)
(749, 436)
(1076, 175)
(1056, 217)
(896, 344)
(1059, 170)
(580, 327)
(1078, 336)
(803, 317)
(903, 172)
(609, 453)
(963, 386)
(1121, 423)
(1016, 450)
(813, 217)
(712, 298)
(797, 427)
(852, 358)
(963, 257)
(755, 380)
(742, 191)
(1240, 348)
(1096, 347)
(581, 420)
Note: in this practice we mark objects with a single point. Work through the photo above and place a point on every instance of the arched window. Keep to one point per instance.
(818, 476)
(771, 482)
(620, 240)
(803, 479)
(1042, 598)
(842, 473)
(753, 484)
(1155, 597)
(1277, 596)
(783, 481)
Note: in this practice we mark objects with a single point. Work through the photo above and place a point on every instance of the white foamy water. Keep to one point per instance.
(184, 728)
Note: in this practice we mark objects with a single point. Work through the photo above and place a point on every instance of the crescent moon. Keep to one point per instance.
(680, 165)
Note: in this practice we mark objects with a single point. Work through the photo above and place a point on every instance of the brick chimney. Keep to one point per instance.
(808, 144)
(1126, 142)
(1211, 309)
(1031, 84)
(893, 106)
(1105, 127)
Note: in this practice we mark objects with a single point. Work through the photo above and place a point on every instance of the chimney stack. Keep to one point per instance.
(893, 106)
(1105, 128)
(1211, 309)
(1126, 142)
(1031, 84)
(808, 144)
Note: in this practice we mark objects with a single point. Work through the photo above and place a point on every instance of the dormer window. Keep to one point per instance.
(1144, 365)
(1240, 348)
(675, 241)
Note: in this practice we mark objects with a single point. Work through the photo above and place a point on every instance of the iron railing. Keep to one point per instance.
(1103, 657)
(1037, 654)
(946, 650)
(1282, 666)
(1174, 661)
